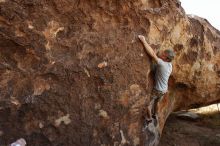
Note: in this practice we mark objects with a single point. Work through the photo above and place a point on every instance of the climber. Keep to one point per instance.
(163, 71)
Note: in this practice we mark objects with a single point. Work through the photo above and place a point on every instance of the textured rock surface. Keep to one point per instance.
(74, 72)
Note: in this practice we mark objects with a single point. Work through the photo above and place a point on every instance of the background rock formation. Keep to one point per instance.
(74, 72)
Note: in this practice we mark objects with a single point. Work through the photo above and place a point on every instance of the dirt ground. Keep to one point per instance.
(182, 132)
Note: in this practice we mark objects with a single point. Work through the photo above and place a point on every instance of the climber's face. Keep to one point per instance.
(163, 56)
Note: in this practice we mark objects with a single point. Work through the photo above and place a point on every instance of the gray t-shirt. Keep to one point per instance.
(162, 75)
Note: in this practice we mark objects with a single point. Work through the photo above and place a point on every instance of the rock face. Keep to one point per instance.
(74, 72)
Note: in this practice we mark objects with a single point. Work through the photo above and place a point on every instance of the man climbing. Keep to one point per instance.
(163, 71)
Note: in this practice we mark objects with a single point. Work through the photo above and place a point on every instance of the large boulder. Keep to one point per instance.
(74, 72)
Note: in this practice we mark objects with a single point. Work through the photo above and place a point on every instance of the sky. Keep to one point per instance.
(208, 9)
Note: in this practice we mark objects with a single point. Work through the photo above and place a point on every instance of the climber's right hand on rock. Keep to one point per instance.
(142, 38)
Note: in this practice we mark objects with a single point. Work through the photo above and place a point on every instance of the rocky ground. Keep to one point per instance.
(201, 132)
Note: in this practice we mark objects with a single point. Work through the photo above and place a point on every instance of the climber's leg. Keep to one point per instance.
(155, 108)
(157, 97)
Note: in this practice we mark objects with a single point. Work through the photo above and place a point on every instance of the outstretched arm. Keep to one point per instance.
(148, 48)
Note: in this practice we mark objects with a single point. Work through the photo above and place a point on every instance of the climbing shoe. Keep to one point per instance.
(146, 123)
(154, 116)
